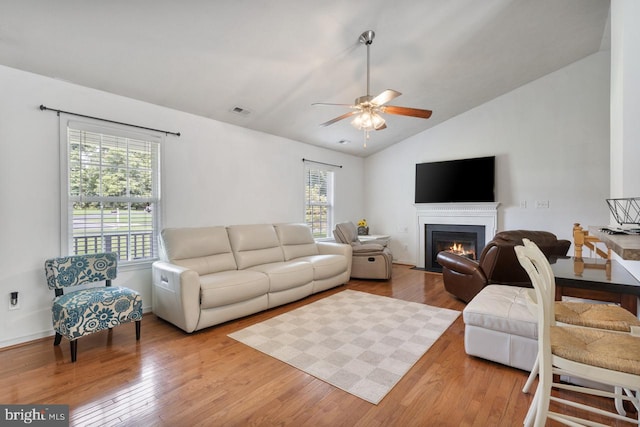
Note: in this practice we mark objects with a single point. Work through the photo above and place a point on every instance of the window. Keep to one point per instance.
(319, 200)
(112, 184)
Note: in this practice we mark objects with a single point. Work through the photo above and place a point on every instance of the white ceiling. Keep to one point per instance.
(276, 58)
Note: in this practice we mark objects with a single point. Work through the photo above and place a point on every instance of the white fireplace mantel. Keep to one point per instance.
(455, 214)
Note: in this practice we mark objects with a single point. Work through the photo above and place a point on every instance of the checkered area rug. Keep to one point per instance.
(358, 342)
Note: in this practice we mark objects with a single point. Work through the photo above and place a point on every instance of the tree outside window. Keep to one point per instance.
(319, 201)
(113, 193)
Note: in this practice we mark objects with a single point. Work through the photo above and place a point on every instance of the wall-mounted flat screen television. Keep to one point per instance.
(464, 180)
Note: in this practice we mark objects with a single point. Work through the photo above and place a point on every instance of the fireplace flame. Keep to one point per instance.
(459, 249)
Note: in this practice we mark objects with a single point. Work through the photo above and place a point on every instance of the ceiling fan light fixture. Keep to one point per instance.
(368, 120)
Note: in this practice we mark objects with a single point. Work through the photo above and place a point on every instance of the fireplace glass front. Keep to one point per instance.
(464, 240)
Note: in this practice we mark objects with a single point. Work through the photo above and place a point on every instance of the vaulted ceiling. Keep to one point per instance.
(273, 59)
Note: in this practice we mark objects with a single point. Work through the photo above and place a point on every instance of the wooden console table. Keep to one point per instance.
(625, 245)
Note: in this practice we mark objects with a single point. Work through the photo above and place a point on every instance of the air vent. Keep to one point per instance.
(240, 110)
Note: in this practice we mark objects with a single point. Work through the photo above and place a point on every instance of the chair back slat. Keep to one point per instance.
(539, 270)
(77, 270)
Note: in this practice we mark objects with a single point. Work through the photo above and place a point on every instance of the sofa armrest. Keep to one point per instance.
(381, 242)
(367, 248)
(462, 276)
(176, 294)
(330, 248)
(457, 263)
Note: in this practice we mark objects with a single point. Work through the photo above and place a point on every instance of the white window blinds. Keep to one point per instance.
(319, 200)
(113, 191)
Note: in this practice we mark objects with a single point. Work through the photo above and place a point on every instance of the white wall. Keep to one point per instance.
(551, 140)
(214, 174)
(625, 104)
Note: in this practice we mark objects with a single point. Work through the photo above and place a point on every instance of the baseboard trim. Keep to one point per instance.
(17, 341)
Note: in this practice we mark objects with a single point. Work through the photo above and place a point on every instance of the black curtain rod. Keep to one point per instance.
(166, 132)
(321, 163)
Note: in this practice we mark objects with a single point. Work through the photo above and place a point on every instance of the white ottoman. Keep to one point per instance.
(499, 326)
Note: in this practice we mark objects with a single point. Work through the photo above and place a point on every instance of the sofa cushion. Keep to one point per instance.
(254, 244)
(230, 287)
(502, 308)
(286, 275)
(203, 249)
(296, 240)
(325, 266)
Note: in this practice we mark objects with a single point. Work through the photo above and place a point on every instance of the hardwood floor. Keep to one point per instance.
(171, 378)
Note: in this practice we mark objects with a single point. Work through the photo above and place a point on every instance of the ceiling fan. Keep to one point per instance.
(367, 108)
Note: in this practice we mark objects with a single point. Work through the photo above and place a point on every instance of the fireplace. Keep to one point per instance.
(478, 214)
(464, 240)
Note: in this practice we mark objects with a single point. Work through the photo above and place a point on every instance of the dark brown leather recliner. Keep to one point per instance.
(498, 263)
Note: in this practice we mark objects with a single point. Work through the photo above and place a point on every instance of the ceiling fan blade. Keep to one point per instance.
(337, 119)
(384, 126)
(328, 104)
(385, 97)
(405, 111)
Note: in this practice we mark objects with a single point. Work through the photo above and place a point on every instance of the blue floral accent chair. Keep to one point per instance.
(85, 311)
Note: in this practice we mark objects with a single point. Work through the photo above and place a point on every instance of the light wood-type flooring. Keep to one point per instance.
(171, 378)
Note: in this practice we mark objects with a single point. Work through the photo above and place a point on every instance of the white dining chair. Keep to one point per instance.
(608, 317)
(592, 354)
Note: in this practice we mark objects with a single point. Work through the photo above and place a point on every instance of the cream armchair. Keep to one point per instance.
(371, 260)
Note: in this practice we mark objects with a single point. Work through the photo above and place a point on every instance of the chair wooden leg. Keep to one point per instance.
(74, 350)
(57, 339)
(138, 325)
(529, 419)
(532, 376)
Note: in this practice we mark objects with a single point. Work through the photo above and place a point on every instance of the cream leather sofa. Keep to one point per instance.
(210, 275)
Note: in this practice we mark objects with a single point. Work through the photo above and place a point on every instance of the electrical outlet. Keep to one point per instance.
(523, 204)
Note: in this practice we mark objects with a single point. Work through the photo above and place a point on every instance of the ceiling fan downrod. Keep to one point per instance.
(367, 38)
